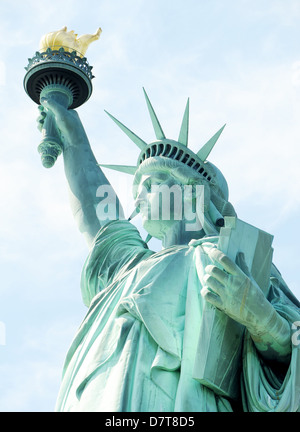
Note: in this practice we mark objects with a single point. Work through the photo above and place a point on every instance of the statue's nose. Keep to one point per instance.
(140, 200)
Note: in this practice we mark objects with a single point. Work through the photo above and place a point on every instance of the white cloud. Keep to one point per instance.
(296, 73)
(2, 73)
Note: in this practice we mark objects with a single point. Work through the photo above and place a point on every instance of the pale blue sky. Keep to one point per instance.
(237, 60)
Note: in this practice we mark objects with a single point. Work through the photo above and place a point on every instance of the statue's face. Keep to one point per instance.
(162, 200)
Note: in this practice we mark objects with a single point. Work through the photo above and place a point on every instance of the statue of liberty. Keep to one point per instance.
(142, 342)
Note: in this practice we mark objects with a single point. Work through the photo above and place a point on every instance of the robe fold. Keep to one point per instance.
(135, 349)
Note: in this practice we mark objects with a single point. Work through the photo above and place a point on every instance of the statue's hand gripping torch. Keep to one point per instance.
(59, 71)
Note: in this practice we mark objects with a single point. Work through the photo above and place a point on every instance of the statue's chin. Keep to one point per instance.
(152, 227)
(157, 228)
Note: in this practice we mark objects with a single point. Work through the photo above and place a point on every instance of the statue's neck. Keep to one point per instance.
(181, 234)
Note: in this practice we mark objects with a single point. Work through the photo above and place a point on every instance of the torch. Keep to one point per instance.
(59, 70)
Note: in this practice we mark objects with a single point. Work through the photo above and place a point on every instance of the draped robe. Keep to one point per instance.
(135, 349)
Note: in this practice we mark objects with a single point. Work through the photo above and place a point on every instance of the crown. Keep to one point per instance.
(166, 148)
(175, 150)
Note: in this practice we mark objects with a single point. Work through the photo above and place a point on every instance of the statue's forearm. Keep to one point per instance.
(83, 173)
(85, 177)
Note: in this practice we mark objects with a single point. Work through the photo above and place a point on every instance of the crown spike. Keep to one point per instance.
(134, 213)
(148, 238)
(184, 130)
(137, 140)
(156, 125)
(207, 148)
(128, 169)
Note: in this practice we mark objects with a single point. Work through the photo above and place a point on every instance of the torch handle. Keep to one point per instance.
(51, 146)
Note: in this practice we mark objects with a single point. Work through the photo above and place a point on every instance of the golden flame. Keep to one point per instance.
(68, 40)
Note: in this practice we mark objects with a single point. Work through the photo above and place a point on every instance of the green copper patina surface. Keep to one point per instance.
(203, 325)
(60, 71)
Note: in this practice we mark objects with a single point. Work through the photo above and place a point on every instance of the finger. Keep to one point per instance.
(40, 120)
(216, 286)
(55, 107)
(40, 126)
(211, 297)
(224, 261)
(41, 117)
(217, 273)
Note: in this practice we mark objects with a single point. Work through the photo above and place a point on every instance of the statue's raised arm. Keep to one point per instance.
(84, 176)
(59, 79)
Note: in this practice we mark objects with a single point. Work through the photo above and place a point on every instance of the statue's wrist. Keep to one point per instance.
(275, 332)
(264, 326)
